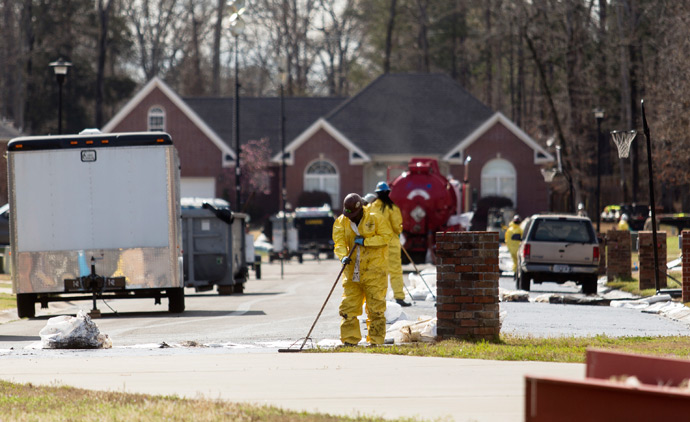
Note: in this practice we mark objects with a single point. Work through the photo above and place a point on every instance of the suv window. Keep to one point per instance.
(574, 231)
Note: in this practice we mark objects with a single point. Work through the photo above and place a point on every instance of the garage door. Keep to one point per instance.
(202, 187)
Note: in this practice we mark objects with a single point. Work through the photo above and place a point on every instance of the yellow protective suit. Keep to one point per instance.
(372, 284)
(393, 217)
(623, 226)
(513, 245)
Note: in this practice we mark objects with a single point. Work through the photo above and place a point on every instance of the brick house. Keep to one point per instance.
(342, 145)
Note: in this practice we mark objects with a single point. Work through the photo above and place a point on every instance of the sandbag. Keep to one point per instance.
(73, 332)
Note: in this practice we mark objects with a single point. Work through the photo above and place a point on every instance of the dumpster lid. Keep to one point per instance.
(194, 202)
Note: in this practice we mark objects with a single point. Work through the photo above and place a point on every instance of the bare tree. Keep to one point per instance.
(340, 42)
(158, 26)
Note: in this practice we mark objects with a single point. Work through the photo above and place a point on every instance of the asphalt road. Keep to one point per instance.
(275, 312)
(242, 333)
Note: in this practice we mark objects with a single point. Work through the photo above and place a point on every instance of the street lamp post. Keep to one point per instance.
(651, 197)
(599, 116)
(283, 77)
(237, 8)
(60, 68)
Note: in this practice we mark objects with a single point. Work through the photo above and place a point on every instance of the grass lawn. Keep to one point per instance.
(559, 349)
(25, 402)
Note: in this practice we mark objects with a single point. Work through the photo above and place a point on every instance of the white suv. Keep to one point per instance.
(559, 248)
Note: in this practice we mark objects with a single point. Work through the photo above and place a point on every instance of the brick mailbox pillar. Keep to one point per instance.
(647, 259)
(685, 250)
(467, 285)
(618, 254)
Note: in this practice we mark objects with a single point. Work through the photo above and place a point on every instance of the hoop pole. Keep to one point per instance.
(651, 198)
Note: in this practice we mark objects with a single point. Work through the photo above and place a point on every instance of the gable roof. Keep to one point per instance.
(356, 155)
(157, 83)
(409, 114)
(260, 116)
(456, 155)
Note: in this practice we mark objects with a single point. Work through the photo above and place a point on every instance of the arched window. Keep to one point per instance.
(322, 175)
(499, 179)
(156, 119)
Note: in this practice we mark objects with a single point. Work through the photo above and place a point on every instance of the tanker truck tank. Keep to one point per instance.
(426, 200)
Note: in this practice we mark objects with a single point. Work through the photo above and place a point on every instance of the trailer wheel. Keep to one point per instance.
(225, 290)
(238, 288)
(26, 305)
(299, 258)
(176, 300)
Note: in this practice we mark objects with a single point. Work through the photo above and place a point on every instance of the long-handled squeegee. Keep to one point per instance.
(289, 350)
(417, 270)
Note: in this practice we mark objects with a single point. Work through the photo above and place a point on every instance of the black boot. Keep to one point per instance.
(402, 302)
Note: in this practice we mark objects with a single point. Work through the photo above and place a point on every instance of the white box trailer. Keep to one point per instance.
(95, 215)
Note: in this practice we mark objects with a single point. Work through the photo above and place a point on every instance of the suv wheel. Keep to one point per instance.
(523, 281)
(589, 285)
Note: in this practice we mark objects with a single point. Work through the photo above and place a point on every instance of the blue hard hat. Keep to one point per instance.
(382, 186)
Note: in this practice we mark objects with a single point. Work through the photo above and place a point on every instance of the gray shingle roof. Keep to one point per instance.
(260, 117)
(410, 114)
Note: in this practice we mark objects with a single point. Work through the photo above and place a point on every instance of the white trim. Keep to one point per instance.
(395, 158)
(498, 118)
(179, 102)
(335, 133)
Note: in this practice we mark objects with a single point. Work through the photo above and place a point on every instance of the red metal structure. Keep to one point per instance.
(427, 200)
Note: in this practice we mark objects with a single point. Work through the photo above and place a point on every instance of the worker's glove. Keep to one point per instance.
(346, 260)
(359, 240)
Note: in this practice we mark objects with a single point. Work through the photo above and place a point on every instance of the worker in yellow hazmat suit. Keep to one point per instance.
(623, 224)
(513, 244)
(365, 275)
(392, 215)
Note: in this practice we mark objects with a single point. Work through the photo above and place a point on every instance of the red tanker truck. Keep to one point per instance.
(429, 203)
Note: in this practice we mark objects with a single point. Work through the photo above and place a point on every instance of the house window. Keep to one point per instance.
(499, 179)
(156, 119)
(322, 176)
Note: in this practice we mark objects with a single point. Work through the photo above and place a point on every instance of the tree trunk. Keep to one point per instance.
(389, 38)
(217, 32)
(104, 18)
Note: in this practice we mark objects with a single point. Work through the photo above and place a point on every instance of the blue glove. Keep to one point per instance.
(359, 240)
(346, 260)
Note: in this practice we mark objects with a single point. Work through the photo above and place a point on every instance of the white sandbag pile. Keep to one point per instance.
(422, 288)
(73, 332)
(407, 331)
(393, 313)
(505, 295)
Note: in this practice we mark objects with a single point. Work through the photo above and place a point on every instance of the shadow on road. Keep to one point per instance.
(19, 338)
(161, 314)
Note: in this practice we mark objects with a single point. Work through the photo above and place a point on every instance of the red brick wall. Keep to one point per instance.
(199, 156)
(532, 191)
(685, 250)
(467, 285)
(618, 254)
(323, 146)
(646, 241)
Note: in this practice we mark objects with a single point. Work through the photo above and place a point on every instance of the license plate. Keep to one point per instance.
(561, 268)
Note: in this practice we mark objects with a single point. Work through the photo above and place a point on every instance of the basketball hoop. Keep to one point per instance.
(548, 174)
(623, 139)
